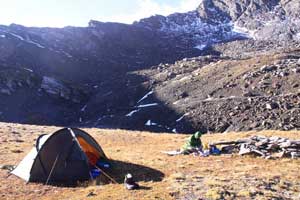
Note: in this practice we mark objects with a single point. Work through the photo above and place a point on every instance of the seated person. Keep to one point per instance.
(193, 144)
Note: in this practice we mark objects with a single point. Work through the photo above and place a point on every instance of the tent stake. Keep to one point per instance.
(105, 174)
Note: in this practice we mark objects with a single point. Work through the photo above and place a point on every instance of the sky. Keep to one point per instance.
(60, 13)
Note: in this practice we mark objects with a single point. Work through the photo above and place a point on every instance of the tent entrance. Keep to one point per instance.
(91, 152)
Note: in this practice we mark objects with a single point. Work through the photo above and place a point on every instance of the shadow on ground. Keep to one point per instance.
(117, 172)
(140, 172)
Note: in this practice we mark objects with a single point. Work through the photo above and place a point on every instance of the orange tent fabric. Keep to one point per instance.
(92, 153)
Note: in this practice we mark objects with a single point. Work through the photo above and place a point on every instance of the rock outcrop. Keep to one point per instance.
(29, 98)
(262, 146)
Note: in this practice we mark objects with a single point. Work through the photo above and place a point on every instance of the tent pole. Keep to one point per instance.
(8, 175)
(75, 139)
(105, 174)
(53, 166)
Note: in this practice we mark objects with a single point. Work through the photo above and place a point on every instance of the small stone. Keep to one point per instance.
(267, 68)
(295, 155)
(262, 143)
(178, 176)
(295, 85)
(7, 167)
(296, 70)
(232, 114)
(254, 125)
(244, 150)
(282, 74)
(183, 95)
(90, 194)
(285, 144)
(249, 94)
(171, 75)
(271, 106)
(5, 91)
(274, 138)
(279, 155)
(16, 151)
(272, 147)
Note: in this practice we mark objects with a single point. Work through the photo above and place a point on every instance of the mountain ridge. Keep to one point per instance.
(106, 60)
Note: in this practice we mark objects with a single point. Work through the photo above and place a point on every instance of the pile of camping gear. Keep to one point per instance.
(193, 145)
(258, 146)
(262, 146)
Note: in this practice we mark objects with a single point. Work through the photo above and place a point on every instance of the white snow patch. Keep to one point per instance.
(201, 46)
(132, 112)
(174, 130)
(185, 78)
(28, 41)
(298, 36)
(244, 31)
(232, 97)
(105, 116)
(67, 54)
(27, 69)
(100, 118)
(211, 9)
(181, 118)
(146, 96)
(51, 85)
(176, 102)
(148, 105)
(17, 36)
(80, 119)
(83, 108)
(209, 99)
(36, 44)
(150, 123)
(2, 36)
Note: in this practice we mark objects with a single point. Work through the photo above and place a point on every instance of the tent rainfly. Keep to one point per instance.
(65, 156)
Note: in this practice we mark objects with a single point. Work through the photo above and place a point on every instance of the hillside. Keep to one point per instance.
(162, 176)
(97, 76)
(218, 94)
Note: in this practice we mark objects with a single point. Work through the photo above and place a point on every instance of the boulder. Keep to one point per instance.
(268, 68)
(5, 91)
(244, 150)
(273, 147)
(296, 70)
(281, 154)
(295, 155)
(271, 106)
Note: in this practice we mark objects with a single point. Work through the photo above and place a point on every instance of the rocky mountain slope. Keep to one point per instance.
(218, 94)
(198, 70)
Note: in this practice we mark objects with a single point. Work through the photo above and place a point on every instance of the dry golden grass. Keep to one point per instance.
(162, 177)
